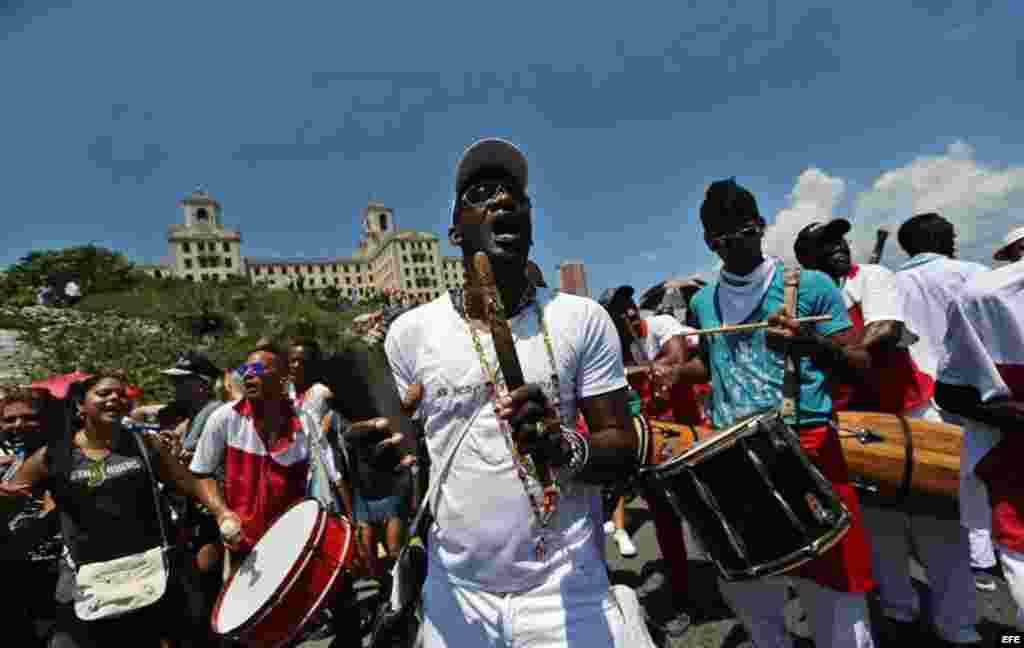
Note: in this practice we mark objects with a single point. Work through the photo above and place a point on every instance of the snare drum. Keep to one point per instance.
(292, 573)
(753, 497)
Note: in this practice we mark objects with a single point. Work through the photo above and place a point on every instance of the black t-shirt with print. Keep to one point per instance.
(107, 507)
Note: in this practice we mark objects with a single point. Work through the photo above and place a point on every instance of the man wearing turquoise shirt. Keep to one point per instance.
(747, 373)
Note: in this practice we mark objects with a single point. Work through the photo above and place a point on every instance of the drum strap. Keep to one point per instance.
(791, 380)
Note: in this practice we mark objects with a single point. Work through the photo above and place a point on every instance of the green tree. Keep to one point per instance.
(97, 270)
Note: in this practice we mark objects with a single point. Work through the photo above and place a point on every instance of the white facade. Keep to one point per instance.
(406, 264)
(202, 248)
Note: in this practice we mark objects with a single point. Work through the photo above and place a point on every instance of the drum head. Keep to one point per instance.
(266, 569)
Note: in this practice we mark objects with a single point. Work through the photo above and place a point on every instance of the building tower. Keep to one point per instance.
(202, 248)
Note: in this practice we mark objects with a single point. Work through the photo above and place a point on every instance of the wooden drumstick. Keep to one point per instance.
(737, 328)
(504, 345)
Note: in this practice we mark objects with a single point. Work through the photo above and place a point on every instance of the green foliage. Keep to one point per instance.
(141, 324)
(146, 328)
(97, 270)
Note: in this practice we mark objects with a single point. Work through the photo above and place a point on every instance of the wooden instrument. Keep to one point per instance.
(504, 345)
(903, 459)
(738, 328)
(922, 475)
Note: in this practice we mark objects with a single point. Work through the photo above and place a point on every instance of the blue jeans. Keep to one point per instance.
(379, 510)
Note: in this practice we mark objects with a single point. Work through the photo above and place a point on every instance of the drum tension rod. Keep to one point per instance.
(861, 484)
(864, 435)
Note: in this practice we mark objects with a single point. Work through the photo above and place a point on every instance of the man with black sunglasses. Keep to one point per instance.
(512, 561)
(746, 371)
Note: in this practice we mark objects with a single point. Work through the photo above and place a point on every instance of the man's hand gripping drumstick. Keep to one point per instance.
(536, 428)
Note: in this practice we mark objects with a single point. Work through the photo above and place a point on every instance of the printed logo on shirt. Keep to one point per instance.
(98, 471)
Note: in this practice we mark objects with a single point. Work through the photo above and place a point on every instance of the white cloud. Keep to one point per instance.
(814, 198)
(982, 201)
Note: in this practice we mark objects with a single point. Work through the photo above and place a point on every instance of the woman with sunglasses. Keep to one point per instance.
(105, 497)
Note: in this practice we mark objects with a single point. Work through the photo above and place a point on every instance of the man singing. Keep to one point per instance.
(510, 561)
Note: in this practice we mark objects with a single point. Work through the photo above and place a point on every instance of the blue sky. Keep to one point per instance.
(295, 115)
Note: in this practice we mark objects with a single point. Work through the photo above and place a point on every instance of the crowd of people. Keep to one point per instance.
(514, 544)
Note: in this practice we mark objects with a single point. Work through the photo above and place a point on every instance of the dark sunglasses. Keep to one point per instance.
(719, 242)
(254, 368)
(480, 194)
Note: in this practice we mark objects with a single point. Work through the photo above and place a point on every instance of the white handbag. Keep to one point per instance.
(115, 587)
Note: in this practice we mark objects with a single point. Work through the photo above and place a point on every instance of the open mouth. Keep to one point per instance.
(506, 230)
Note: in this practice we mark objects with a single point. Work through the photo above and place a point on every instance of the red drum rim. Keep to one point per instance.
(288, 582)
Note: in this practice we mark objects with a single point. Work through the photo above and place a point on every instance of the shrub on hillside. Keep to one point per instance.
(96, 269)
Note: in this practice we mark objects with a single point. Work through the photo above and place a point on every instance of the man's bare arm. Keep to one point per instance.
(670, 362)
(842, 352)
(882, 334)
(613, 442)
(693, 370)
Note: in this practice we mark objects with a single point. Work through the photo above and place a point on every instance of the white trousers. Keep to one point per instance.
(946, 563)
(943, 549)
(837, 619)
(1013, 569)
(573, 608)
(975, 506)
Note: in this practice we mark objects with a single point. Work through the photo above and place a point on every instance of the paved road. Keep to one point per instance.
(715, 627)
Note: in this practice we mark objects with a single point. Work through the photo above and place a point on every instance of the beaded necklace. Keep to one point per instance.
(548, 496)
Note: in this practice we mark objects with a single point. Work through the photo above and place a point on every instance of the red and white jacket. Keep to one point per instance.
(985, 349)
(895, 383)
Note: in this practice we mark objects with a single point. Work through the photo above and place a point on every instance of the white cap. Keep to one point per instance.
(491, 153)
(1011, 238)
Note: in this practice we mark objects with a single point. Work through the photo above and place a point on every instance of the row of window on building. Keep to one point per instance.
(209, 262)
(204, 246)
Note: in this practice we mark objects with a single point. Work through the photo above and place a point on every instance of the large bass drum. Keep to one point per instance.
(293, 572)
(753, 498)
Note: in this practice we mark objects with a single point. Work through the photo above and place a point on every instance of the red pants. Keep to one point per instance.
(668, 528)
(846, 567)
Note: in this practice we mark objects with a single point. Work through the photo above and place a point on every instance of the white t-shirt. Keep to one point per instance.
(927, 284)
(72, 289)
(484, 535)
(875, 289)
(660, 329)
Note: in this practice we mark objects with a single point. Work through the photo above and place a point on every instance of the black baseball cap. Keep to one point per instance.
(193, 364)
(814, 235)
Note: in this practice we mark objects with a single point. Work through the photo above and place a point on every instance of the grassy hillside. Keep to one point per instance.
(145, 327)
